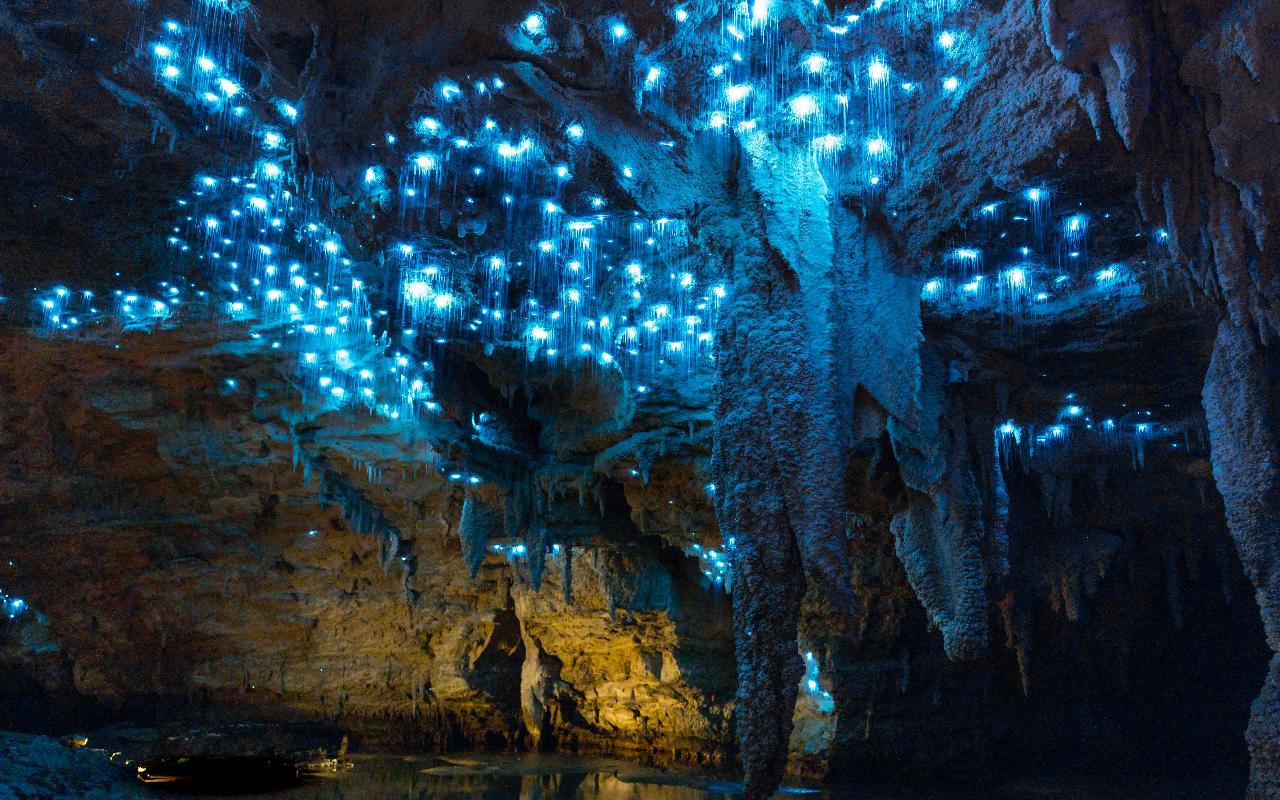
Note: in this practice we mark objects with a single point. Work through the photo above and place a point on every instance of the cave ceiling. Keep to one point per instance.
(696, 271)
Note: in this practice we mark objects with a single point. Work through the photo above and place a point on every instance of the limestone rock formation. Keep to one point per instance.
(902, 513)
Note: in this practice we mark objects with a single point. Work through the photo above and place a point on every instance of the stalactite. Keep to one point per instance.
(366, 517)
(1069, 586)
(996, 506)
(939, 535)
(475, 526)
(1017, 637)
(537, 542)
(778, 445)
(536, 545)
(566, 575)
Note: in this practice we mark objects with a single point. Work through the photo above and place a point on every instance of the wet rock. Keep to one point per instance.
(40, 767)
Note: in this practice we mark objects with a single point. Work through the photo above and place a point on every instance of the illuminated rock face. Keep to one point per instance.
(203, 565)
(940, 484)
(159, 523)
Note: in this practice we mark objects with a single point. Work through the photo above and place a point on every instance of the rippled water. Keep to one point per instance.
(551, 777)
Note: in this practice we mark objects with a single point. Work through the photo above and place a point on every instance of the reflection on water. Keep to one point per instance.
(553, 777)
(504, 777)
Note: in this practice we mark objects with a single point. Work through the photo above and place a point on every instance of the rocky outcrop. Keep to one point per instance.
(1243, 410)
(635, 661)
(40, 767)
(181, 558)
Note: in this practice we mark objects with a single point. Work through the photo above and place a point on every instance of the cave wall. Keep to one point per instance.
(1186, 85)
(183, 559)
(160, 524)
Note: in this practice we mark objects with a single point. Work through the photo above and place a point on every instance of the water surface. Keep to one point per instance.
(562, 777)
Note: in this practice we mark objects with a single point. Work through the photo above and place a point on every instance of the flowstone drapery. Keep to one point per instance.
(796, 342)
(779, 450)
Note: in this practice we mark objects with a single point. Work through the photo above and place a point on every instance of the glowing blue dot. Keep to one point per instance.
(803, 106)
(1016, 278)
(877, 72)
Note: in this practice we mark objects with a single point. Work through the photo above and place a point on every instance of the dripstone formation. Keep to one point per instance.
(868, 393)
